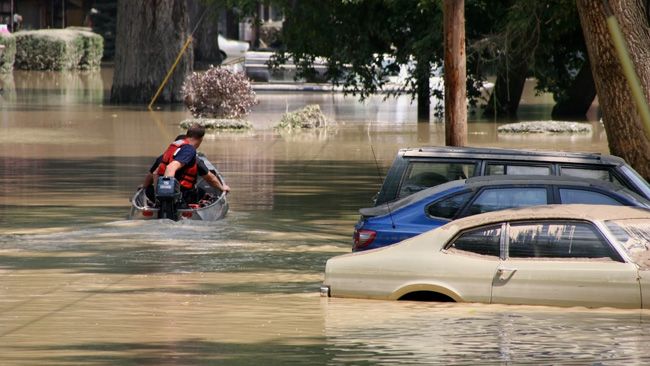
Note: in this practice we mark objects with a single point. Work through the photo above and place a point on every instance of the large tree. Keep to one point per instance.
(515, 46)
(561, 61)
(625, 132)
(455, 73)
(150, 34)
(205, 40)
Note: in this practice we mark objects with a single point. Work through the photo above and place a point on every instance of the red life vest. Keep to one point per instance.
(187, 174)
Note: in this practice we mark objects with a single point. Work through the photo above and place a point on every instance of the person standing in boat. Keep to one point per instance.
(180, 161)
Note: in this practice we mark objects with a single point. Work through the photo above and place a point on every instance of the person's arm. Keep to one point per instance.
(172, 168)
(148, 180)
(216, 182)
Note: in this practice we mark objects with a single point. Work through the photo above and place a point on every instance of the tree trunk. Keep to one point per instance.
(509, 86)
(455, 73)
(579, 96)
(150, 34)
(423, 75)
(625, 132)
(205, 40)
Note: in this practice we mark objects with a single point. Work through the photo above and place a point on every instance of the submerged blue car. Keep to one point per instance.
(395, 221)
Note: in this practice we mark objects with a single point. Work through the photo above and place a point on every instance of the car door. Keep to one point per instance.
(563, 263)
(470, 261)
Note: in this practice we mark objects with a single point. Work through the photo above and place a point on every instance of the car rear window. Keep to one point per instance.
(494, 199)
(517, 169)
(587, 197)
(448, 207)
(425, 174)
(556, 240)
(591, 173)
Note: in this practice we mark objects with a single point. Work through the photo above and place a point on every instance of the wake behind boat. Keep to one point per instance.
(212, 206)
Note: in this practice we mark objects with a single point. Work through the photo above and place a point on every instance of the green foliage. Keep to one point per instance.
(58, 49)
(562, 50)
(545, 35)
(93, 48)
(365, 41)
(8, 54)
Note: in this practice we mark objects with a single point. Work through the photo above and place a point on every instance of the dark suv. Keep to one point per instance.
(415, 169)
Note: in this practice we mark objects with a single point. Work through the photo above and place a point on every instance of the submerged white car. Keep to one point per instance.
(558, 255)
(232, 48)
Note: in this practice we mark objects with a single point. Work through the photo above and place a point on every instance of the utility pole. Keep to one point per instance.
(455, 73)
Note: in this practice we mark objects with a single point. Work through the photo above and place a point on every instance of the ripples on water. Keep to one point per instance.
(82, 286)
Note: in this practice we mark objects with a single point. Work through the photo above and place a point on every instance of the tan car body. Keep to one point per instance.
(422, 263)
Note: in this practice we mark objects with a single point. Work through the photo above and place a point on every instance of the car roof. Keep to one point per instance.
(562, 212)
(486, 153)
(492, 180)
(487, 180)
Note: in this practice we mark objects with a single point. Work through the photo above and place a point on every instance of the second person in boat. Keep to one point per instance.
(180, 161)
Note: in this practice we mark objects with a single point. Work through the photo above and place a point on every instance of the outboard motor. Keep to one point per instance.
(168, 196)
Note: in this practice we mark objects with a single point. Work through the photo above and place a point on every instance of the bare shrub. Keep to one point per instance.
(218, 93)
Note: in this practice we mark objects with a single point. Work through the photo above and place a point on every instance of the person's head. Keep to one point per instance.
(195, 134)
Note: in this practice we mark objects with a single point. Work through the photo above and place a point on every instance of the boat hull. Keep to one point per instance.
(143, 209)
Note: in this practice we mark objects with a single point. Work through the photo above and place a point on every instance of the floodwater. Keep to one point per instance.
(79, 285)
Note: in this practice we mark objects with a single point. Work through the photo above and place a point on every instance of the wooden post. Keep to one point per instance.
(455, 73)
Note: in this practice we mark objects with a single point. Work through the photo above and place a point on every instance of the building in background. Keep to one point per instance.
(101, 16)
(39, 14)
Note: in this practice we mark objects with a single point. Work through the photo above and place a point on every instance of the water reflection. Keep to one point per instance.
(82, 286)
(416, 333)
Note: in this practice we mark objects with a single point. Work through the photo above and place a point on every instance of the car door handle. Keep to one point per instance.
(505, 273)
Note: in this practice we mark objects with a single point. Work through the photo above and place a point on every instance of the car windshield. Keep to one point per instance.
(634, 236)
(641, 184)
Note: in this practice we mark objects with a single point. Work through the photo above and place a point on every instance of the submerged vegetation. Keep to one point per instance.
(218, 124)
(8, 54)
(218, 93)
(545, 127)
(308, 117)
(58, 49)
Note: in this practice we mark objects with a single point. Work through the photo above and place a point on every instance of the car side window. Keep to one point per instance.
(586, 197)
(448, 207)
(424, 174)
(484, 241)
(591, 173)
(517, 169)
(557, 240)
(494, 199)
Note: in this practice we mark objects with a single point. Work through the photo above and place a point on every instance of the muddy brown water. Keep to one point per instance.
(81, 285)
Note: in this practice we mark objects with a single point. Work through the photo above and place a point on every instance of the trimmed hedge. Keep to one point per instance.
(7, 55)
(58, 49)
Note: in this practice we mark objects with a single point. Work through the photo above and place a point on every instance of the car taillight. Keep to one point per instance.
(363, 238)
